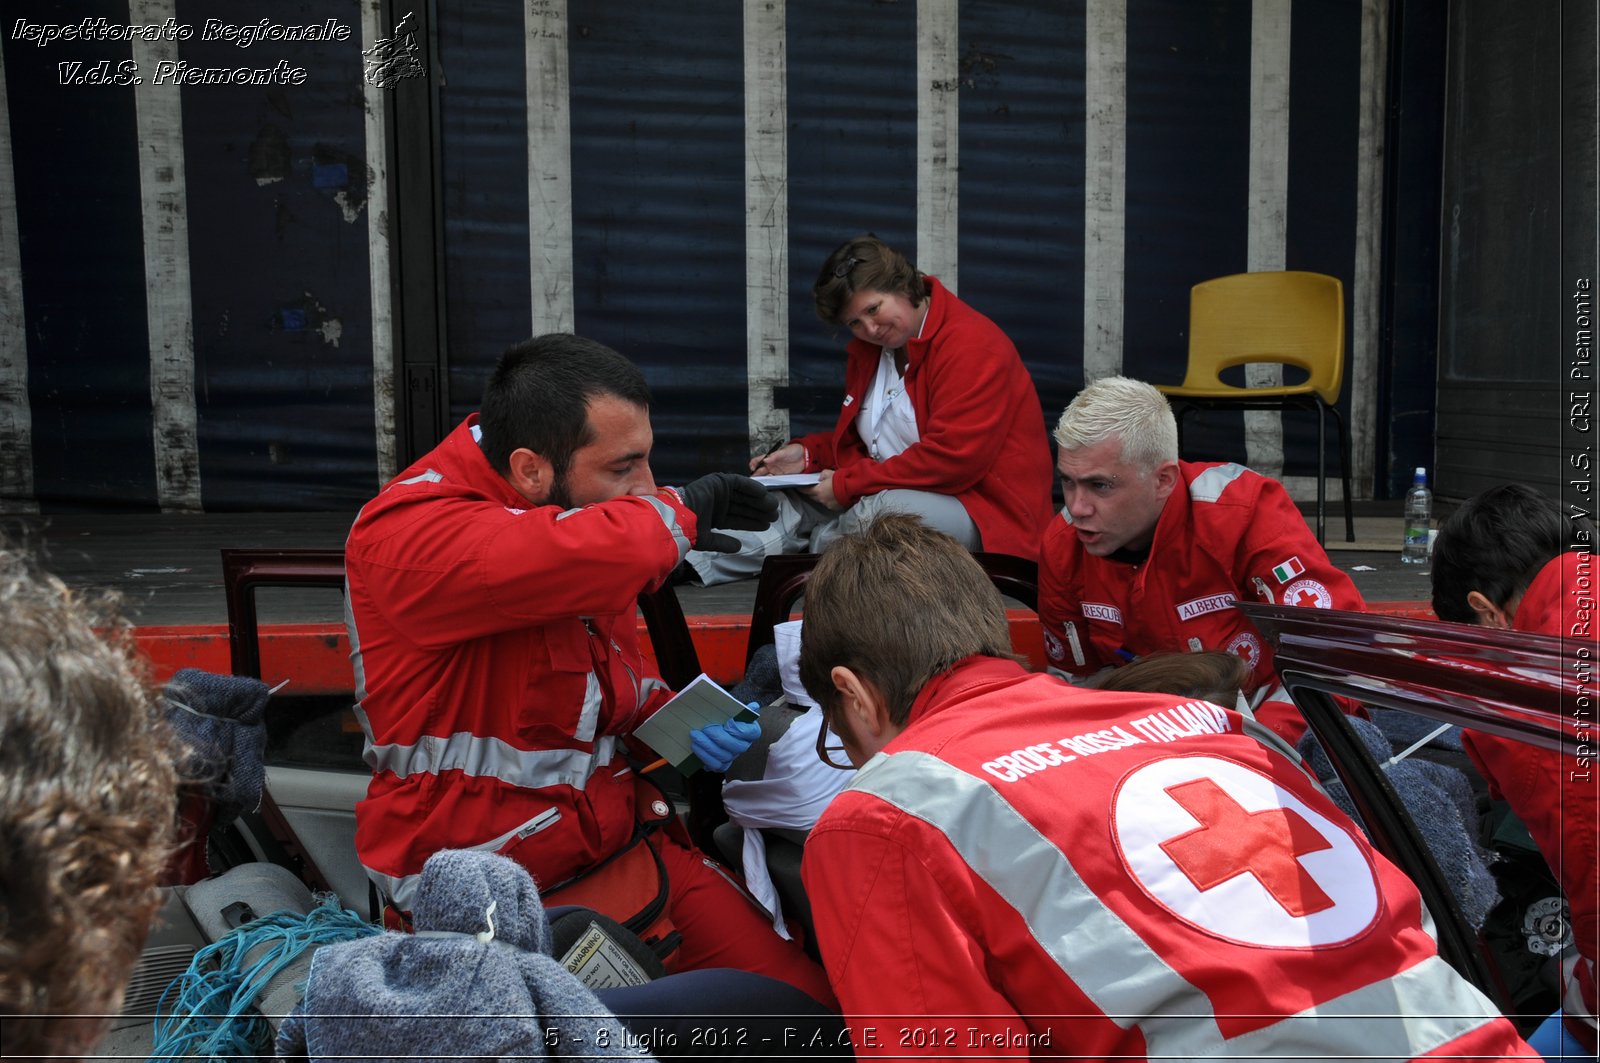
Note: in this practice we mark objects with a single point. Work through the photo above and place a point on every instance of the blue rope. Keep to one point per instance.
(213, 1012)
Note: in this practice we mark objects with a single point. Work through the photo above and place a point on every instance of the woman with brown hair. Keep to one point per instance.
(939, 418)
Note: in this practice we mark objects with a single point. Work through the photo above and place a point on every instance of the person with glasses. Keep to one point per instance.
(1150, 552)
(939, 418)
(1021, 867)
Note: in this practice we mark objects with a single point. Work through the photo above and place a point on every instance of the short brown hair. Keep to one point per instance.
(897, 604)
(864, 263)
(1216, 676)
(88, 795)
(539, 394)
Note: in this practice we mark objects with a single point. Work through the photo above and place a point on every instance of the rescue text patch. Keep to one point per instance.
(1096, 611)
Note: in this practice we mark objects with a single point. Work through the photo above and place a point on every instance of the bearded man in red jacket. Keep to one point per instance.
(492, 590)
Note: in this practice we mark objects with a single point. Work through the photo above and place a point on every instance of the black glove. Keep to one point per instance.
(728, 500)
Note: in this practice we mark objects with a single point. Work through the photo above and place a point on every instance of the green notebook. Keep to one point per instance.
(700, 704)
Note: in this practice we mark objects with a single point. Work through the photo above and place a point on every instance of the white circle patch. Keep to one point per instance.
(1307, 593)
(1246, 645)
(1229, 851)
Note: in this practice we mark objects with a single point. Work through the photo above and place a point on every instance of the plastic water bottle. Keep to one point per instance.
(1419, 514)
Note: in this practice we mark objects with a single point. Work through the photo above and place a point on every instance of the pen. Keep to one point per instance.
(769, 450)
(762, 464)
(653, 766)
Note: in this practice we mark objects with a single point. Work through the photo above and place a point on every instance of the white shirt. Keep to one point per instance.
(796, 787)
(888, 420)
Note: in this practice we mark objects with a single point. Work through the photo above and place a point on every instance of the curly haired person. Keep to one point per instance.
(87, 805)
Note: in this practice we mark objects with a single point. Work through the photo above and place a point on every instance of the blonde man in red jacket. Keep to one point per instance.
(940, 418)
(1150, 552)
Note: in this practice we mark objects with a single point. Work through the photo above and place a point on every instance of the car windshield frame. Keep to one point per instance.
(1515, 684)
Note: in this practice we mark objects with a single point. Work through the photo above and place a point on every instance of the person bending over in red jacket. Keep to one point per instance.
(492, 589)
(940, 418)
(1022, 867)
(1150, 552)
(1511, 558)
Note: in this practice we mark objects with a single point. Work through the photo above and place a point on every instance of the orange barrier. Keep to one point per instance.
(315, 658)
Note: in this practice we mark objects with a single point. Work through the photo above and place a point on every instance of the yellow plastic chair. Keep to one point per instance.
(1287, 317)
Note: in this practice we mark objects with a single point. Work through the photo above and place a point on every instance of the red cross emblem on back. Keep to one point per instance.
(1231, 841)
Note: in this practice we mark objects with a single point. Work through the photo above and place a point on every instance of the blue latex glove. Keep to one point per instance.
(719, 744)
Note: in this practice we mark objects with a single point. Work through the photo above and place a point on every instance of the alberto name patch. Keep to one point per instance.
(1211, 603)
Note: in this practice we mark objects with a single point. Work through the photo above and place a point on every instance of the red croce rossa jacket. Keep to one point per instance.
(1225, 533)
(982, 429)
(1032, 869)
(497, 664)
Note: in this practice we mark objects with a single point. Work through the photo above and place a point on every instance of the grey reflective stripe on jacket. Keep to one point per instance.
(589, 715)
(479, 756)
(648, 687)
(1209, 485)
(1402, 1016)
(490, 757)
(427, 476)
(357, 664)
(355, 643)
(669, 517)
(400, 892)
(402, 889)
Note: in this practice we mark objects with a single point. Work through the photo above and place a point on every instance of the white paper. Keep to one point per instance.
(796, 479)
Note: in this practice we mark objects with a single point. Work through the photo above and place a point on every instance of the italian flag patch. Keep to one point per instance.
(1288, 570)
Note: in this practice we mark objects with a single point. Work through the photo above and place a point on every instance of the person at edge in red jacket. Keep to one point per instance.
(940, 418)
(1150, 552)
(1022, 867)
(492, 590)
(1510, 558)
